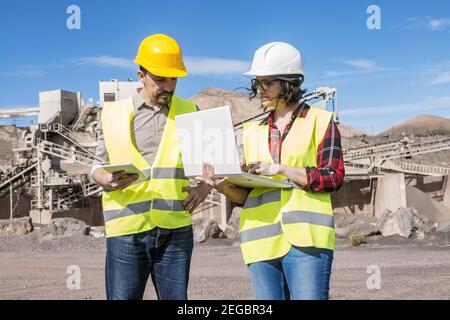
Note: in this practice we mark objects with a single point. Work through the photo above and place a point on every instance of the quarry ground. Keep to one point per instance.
(409, 269)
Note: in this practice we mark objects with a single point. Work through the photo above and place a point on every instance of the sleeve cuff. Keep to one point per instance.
(308, 178)
(94, 167)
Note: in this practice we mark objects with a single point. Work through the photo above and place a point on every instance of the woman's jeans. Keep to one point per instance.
(302, 274)
(164, 254)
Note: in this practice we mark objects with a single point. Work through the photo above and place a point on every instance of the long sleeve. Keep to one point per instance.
(329, 174)
(101, 155)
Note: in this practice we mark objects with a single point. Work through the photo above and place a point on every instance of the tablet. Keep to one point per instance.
(128, 168)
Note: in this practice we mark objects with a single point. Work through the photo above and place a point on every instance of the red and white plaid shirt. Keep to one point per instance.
(329, 173)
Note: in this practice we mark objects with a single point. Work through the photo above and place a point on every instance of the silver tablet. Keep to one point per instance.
(128, 168)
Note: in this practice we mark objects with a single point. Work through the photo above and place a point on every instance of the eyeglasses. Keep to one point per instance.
(264, 84)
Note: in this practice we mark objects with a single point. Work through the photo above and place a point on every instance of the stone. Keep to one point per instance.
(347, 225)
(232, 228)
(16, 226)
(443, 226)
(406, 222)
(98, 232)
(207, 229)
(63, 227)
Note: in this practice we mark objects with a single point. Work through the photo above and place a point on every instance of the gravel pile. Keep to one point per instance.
(30, 243)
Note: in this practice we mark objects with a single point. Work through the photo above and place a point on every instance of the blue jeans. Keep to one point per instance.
(162, 253)
(303, 273)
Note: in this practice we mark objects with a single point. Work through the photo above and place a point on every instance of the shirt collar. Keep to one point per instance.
(139, 103)
(298, 113)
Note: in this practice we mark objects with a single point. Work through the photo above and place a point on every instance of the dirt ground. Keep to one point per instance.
(409, 269)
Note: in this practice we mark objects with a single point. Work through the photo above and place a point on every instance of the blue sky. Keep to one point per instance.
(382, 76)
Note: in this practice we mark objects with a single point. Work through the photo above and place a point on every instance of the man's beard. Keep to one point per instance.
(164, 98)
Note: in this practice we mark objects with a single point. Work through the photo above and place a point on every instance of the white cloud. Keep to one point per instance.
(23, 72)
(429, 23)
(430, 103)
(357, 67)
(215, 66)
(437, 73)
(361, 64)
(441, 78)
(104, 61)
(337, 73)
(414, 23)
(437, 25)
(195, 65)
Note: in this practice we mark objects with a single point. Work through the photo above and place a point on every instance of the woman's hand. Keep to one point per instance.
(209, 176)
(262, 168)
(233, 193)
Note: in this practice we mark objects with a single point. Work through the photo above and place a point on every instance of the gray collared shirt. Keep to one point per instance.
(147, 130)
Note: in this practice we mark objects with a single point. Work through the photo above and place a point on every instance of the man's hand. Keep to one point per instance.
(196, 196)
(209, 177)
(113, 181)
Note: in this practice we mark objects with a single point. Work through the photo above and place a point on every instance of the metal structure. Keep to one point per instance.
(19, 112)
(59, 137)
(374, 159)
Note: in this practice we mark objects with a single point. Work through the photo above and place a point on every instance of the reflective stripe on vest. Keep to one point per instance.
(155, 200)
(168, 173)
(147, 173)
(303, 218)
(142, 207)
(162, 173)
(259, 233)
(321, 219)
(132, 208)
(267, 197)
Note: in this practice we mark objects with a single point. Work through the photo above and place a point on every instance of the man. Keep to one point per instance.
(148, 221)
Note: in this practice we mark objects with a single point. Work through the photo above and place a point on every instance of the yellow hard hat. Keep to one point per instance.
(161, 55)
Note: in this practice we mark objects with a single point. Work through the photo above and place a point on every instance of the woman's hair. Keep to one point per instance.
(292, 90)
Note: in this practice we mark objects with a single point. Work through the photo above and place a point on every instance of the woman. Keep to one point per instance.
(287, 235)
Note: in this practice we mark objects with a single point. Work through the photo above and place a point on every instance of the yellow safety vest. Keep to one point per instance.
(155, 200)
(273, 220)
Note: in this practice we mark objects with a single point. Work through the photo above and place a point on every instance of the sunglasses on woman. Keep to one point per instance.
(264, 84)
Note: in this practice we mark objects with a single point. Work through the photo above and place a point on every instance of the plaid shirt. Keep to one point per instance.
(329, 173)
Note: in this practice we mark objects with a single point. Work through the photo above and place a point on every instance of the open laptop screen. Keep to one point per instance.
(208, 136)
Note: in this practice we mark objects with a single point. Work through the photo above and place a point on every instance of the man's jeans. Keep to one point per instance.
(303, 273)
(162, 253)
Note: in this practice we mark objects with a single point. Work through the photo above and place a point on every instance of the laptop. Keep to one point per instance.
(208, 136)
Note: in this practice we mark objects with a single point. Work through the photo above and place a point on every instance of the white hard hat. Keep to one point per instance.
(277, 58)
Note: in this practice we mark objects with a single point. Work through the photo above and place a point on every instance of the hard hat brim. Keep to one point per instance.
(168, 73)
(257, 73)
(162, 72)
